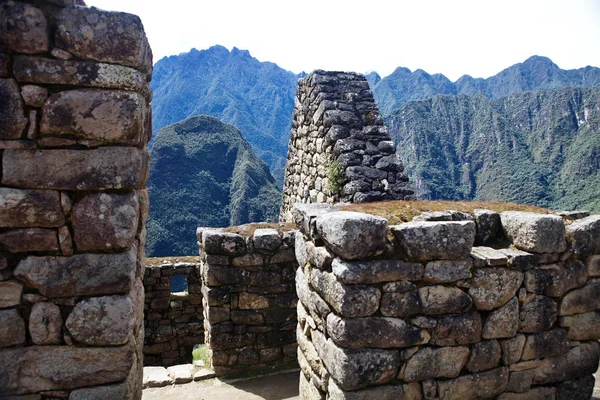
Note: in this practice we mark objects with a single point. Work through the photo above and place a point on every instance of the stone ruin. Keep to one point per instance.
(339, 148)
(74, 123)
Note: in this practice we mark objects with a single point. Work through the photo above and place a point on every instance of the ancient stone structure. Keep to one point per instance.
(173, 322)
(249, 300)
(428, 316)
(74, 122)
(339, 148)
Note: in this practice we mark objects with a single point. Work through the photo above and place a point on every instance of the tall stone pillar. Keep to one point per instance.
(74, 123)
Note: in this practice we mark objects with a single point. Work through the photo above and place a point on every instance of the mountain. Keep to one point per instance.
(538, 148)
(204, 173)
(257, 97)
(535, 73)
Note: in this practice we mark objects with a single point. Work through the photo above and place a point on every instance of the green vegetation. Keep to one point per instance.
(335, 176)
(201, 353)
(203, 173)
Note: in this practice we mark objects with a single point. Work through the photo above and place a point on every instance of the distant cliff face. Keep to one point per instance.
(538, 148)
(257, 97)
(203, 173)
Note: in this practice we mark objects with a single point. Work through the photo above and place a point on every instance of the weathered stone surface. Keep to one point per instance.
(491, 288)
(28, 240)
(223, 243)
(97, 169)
(550, 343)
(356, 333)
(227, 341)
(11, 110)
(181, 373)
(113, 37)
(447, 271)
(309, 391)
(447, 215)
(593, 264)
(512, 349)
(487, 257)
(432, 362)
(117, 392)
(10, 293)
(537, 314)
(578, 362)
(483, 385)
(4, 59)
(582, 326)
(12, 330)
(45, 323)
(351, 301)
(33, 95)
(584, 236)
(252, 301)
(352, 235)
(65, 241)
(502, 322)
(411, 391)
(437, 300)
(266, 239)
(356, 369)
(356, 272)
(555, 280)
(79, 275)
(103, 221)
(101, 321)
(578, 389)
(30, 208)
(451, 240)
(317, 307)
(518, 259)
(107, 116)
(581, 300)
(402, 304)
(537, 233)
(452, 330)
(319, 256)
(484, 355)
(488, 226)
(44, 368)
(42, 70)
(540, 393)
(24, 28)
(300, 250)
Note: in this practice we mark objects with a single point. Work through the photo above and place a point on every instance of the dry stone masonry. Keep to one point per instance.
(339, 148)
(249, 300)
(173, 322)
(415, 311)
(74, 123)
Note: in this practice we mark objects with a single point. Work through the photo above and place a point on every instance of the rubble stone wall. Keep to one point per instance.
(339, 149)
(415, 311)
(74, 123)
(173, 322)
(249, 300)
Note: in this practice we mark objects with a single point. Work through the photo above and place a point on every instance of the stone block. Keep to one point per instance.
(181, 373)
(30, 208)
(105, 221)
(227, 341)
(79, 275)
(116, 392)
(308, 391)
(555, 280)
(582, 326)
(537, 233)
(502, 322)
(252, 301)
(402, 304)
(437, 300)
(29, 240)
(487, 257)
(357, 333)
(411, 391)
(319, 257)
(488, 226)
(33, 95)
(584, 236)
(352, 235)
(550, 343)
(576, 389)
(97, 169)
(363, 272)
(460, 329)
(447, 271)
(45, 323)
(223, 243)
(484, 356)
(537, 314)
(518, 259)
(10, 293)
(593, 264)
(24, 28)
(156, 377)
(103, 115)
(351, 301)
(432, 362)
(12, 330)
(483, 385)
(444, 240)
(266, 239)
(581, 300)
(35, 369)
(492, 288)
(11, 110)
(512, 349)
(540, 393)
(578, 362)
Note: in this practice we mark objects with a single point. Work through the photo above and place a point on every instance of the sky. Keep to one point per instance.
(453, 37)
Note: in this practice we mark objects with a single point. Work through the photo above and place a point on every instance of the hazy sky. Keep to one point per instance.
(453, 37)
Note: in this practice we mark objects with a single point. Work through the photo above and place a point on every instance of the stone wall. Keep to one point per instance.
(339, 148)
(249, 300)
(173, 321)
(74, 123)
(413, 311)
